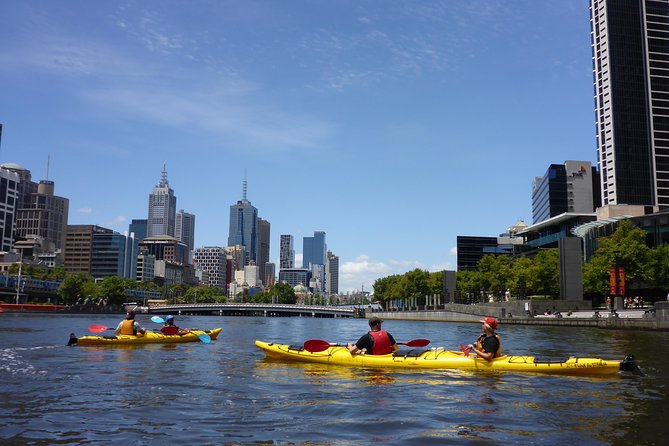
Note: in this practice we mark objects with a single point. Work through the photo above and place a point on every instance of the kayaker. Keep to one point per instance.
(488, 345)
(129, 326)
(171, 329)
(376, 341)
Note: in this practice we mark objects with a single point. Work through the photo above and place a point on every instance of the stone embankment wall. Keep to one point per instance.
(582, 315)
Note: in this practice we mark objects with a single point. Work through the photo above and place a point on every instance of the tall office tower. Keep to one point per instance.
(313, 249)
(162, 208)
(331, 273)
(185, 230)
(212, 260)
(570, 187)
(44, 215)
(138, 227)
(631, 80)
(286, 252)
(263, 247)
(244, 227)
(270, 275)
(9, 197)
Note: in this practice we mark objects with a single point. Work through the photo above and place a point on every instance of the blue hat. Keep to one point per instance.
(169, 318)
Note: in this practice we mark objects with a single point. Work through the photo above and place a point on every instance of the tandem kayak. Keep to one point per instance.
(150, 337)
(444, 359)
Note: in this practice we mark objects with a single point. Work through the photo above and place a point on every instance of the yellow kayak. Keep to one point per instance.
(150, 337)
(444, 359)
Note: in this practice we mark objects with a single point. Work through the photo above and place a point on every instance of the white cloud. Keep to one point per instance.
(85, 210)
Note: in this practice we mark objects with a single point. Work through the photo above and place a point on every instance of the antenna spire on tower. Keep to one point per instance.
(244, 187)
(163, 176)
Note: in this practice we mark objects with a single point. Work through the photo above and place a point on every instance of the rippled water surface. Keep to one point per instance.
(227, 393)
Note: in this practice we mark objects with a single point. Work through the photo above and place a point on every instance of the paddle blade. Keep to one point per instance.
(98, 328)
(316, 345)
(416, 343)
(205, 338)
(157, 320)
(464, 349)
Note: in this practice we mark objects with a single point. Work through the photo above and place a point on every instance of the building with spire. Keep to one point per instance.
(162, 209)
(244, 227)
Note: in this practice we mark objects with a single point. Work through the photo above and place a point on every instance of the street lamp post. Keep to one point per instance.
(18, 281)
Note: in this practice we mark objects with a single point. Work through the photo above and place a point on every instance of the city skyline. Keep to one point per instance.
(391, 139)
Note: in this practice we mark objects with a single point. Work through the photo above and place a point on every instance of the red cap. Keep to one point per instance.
(491, 322)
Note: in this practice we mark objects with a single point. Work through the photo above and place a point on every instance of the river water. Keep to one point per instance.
(227, 393)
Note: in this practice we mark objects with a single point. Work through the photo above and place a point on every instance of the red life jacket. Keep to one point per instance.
(381, 344)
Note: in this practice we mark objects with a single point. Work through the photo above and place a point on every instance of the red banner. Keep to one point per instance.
(620, 279)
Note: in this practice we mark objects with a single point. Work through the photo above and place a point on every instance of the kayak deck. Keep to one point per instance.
(150, 337)
(442, 359)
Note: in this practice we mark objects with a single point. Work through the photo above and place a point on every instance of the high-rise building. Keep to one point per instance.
(112, 255)
(270, 275)
(331, 274)
(9, 198)
(313, 249)
(244, 227)
(185, 229)
(44, 215)
(286, 252)
(138, 228)
(631, 84)
(569, 187)
(162, 209)
(212, 260)
(263, 247)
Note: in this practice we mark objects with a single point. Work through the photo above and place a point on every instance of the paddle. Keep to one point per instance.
(464, 349)
(317, 345)
(98, 328)
(157, 319)
(205, 338)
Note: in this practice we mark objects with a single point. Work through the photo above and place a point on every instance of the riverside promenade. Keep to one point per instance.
(572, 314)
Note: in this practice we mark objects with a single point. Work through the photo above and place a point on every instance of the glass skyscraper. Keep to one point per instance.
(244, 228)
(630, 47)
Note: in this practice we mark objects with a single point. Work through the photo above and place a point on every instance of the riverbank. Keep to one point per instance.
(649, 318)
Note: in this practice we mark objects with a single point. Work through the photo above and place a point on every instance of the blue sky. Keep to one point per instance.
(392, 126)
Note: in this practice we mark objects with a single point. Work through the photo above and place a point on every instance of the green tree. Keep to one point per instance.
(284, 293)
(73, 287)
(114, 289)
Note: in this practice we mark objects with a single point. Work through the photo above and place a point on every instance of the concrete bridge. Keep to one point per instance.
(252, 309)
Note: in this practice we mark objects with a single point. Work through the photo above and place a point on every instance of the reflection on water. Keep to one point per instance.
(226, 392)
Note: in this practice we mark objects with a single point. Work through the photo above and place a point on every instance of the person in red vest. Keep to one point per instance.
(375, 342)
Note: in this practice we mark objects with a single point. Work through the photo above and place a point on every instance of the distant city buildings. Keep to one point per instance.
(162, 209)
(184, 229)
(332, 274)
(263, 248)
(212, 260)
(243, 230)
(286, 252)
